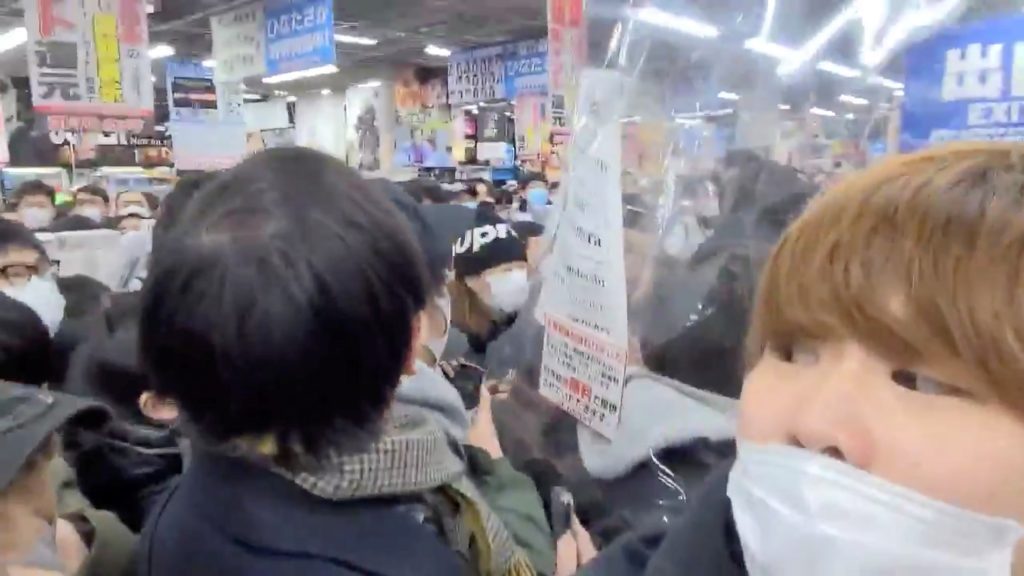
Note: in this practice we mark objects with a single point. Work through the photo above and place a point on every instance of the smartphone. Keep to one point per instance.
(563, 509)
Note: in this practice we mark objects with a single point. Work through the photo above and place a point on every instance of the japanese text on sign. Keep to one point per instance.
(238, 43)
(300, 34)
(108, 57)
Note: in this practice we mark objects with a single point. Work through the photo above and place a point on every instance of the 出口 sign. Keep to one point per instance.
(88, 60)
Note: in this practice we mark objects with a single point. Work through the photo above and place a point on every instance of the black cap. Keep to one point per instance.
(491, 243)
(29, 415)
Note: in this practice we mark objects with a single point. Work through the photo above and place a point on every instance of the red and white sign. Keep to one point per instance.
(88, 59)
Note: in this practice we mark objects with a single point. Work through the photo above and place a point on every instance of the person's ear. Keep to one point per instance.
(158, 408)
(417, 334)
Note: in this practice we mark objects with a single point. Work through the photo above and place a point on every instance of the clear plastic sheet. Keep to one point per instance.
(733, 114)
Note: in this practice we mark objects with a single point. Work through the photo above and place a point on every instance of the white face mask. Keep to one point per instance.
(799, 513)
(135, 211)
(509, 290)
(35, 218)
(42, 295)
(437, 344)
(93, 213)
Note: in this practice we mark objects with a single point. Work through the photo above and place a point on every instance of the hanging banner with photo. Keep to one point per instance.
(191, 93)
(526, 68)
(424, 131)
(88, 63)
(300, 35)
(239, 39)
(966, 83)
(476, 75)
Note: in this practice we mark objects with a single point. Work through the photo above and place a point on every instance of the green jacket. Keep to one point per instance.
(111, 545)
(513, 497)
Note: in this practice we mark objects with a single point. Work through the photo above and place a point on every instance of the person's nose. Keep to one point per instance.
(834, 417)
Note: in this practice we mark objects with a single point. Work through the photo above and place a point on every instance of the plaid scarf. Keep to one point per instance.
(413, 458)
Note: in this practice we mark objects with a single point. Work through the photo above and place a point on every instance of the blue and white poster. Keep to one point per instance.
(300, 35)
(191, 93)
(526, 68)
(965, 83)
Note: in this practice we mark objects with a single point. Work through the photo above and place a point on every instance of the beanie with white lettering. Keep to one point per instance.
(491, 243)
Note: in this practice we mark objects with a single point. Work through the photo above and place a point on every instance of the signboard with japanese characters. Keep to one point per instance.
(300, 35)
(476, 75)
(526, 68)
(583, 300)
(966, 83)
(88, 63)
(239, 38)
(191, 93)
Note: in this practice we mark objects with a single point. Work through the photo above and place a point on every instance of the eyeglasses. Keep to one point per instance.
(21, 274)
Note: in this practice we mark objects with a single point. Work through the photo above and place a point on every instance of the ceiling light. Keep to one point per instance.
(838, 69)
(728, 95)
(433, 50)
(13, 38)
(150, 8)
(209, 63)
(291, 99)
(784, 107)
(855, 100)
(822, 112)
(818, 41)
(251, 96)
(152, 77)
(899, 93)
(161, 51)
(777, 51)
(688, 26)
(369, 84)
(361, 40)
(326, 92)
(280, 93)
(851, 116)
(289, 76)
(882, 81)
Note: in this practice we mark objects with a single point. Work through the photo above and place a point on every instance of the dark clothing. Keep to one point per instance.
(228, 517)
(701, 542)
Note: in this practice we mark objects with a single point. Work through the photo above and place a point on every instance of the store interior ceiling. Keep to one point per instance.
(404, 27)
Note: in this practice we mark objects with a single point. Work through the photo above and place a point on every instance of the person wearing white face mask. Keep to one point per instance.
(26, 274)
(881, 415)
(36, 204)
(491, 282)
(93, 202)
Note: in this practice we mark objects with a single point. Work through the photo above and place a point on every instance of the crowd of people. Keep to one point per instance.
(323, 374)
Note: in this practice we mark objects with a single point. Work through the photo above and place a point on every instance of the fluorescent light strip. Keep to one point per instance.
(326, 92)
(769, 18)
(433, 50)
(851, 116)
(13, 38)
(785, 107)
(899, 93)
(815, 44)
(838, 69)
(855, 100)
(250, 96)
(663, 19)
(822, 112)
(161, 51)
(728, 95)
(361, 40)
(369, 84)
(209, 63)
(762, 46)
(289, 76)
(882, 81)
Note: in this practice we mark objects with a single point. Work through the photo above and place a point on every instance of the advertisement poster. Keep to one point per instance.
(213, 146)
(191, 93)
(300, 35)
(239, 38)
(567, 55)
(584, 295)
(88, 63)
(966, 83)
(476, 75)
(364, 120)
(424, 131)
(526, 68)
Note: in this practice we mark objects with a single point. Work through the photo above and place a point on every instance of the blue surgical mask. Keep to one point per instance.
(538, 196)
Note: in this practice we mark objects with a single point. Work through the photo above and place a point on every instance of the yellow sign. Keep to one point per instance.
(108, 57)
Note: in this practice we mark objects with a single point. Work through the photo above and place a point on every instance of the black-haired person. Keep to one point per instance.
(37, 539)
(92, 202)
(283, 269)
(26, 274)
(35, 203)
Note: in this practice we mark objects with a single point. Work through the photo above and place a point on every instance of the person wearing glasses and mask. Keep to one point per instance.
(27, 275)
(92, 202)
(882, 411)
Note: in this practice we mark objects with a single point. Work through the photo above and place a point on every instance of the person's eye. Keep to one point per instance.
(920, 383)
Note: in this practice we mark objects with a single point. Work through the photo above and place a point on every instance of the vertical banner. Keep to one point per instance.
(239, 38)
(88, 63)
(300, 35)
(526, 68)
(966, 83)
(423, 121)
(567, 55)
(583, 299)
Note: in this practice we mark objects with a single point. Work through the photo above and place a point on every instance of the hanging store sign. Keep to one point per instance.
(88, 62)
(191, 93)
(966, 83)
(299, 35)
(498, 72)
(239, 43)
